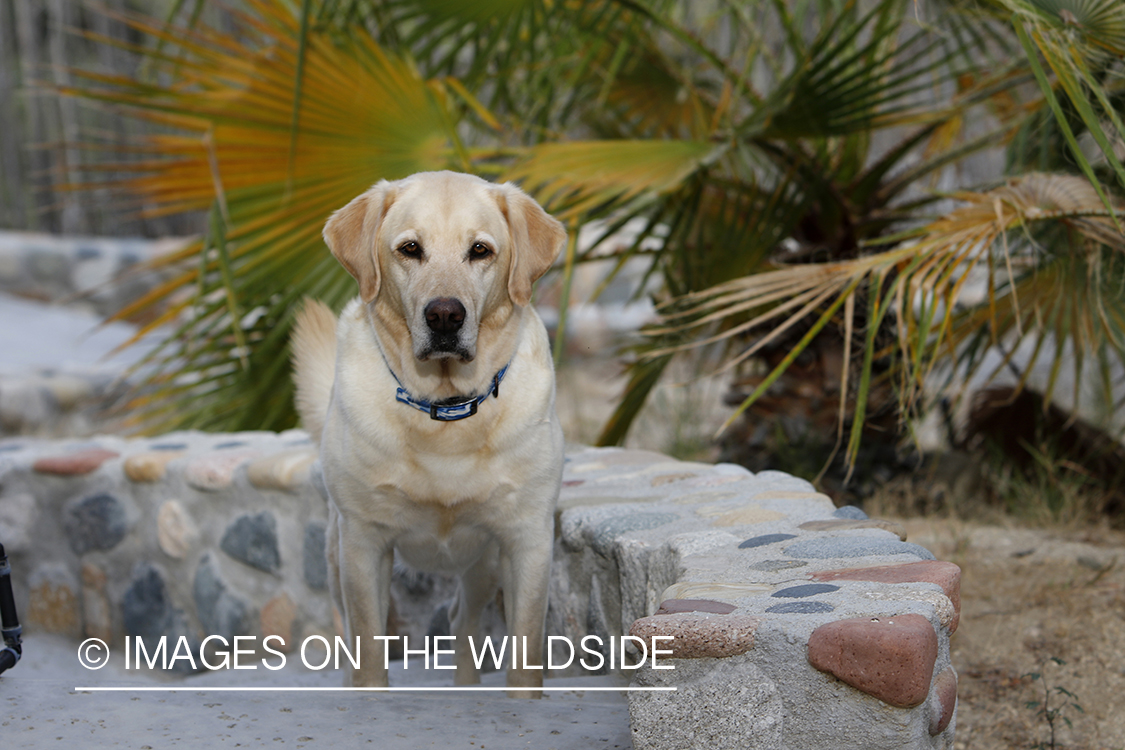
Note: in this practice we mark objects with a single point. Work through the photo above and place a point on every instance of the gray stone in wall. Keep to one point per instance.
(147, 613)
(253, 540)
(146, 610)
(315, 564)
(220, 611)
(772, 566)
(764, 539)
(804, 590)
(850, 512)
(97, 522)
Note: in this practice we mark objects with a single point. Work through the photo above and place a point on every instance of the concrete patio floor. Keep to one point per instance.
(39, 708)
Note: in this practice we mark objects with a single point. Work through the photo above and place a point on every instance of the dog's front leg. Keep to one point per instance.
(525, 572)
(477, 587)
(366, 563)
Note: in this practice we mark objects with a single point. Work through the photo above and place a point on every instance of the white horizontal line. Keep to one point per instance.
(472, 688)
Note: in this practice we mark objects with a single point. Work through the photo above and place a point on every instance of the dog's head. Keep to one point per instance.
(445, 251)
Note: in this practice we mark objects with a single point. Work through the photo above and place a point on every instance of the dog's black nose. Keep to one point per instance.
(445, 315)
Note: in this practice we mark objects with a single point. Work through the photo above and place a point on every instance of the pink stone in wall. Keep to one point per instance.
(215, 471)
(944, 574)
(696, 635)
(74, 464)
(890, 658)
(944, 700)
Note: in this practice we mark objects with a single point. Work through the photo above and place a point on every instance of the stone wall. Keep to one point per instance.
(100, 273)
(58, 372)
(794, 624)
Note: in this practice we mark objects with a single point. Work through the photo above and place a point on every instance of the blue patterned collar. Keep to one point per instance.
(449, 412)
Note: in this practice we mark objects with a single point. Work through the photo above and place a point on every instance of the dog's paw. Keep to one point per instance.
(525, 683)
(527, 694)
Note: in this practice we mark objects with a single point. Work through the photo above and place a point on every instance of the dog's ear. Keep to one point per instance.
(351, 232)
(537, 238)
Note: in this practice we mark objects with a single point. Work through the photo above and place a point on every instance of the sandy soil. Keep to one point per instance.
(1030, 597)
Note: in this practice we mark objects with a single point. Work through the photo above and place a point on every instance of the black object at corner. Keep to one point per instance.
(10, 629)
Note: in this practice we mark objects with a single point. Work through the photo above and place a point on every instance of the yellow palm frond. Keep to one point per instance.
(577, 176)
(231, 148)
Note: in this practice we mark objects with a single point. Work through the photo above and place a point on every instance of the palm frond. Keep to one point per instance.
(857, 75)
(575, 177)
(1083, 45)
(922, 284)
(364, 115)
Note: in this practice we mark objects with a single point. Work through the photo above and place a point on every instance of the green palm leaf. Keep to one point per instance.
(1083, 43)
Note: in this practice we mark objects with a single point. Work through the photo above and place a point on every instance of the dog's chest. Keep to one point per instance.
(447, 482)
(442, 538)
(402, 487)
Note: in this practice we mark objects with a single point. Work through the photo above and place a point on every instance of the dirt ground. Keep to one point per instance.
(1029, 597)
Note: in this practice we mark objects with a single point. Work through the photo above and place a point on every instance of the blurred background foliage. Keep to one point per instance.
(872, 194)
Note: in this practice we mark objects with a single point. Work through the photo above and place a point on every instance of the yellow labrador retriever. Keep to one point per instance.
(433, 399)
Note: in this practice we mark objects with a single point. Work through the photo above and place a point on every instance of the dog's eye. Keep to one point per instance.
(411, 249)
(479, 251)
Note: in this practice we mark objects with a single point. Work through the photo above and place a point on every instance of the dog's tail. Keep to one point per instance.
(313, 345)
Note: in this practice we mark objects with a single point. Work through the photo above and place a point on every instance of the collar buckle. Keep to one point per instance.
(453, 412)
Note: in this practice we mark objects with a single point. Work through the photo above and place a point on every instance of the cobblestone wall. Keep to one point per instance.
(793, 624)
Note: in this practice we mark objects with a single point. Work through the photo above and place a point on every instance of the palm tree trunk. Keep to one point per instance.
(13, 208)
(40, 215)
(73, 218)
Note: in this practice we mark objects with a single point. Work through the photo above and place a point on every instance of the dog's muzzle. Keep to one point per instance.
(445, 317)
